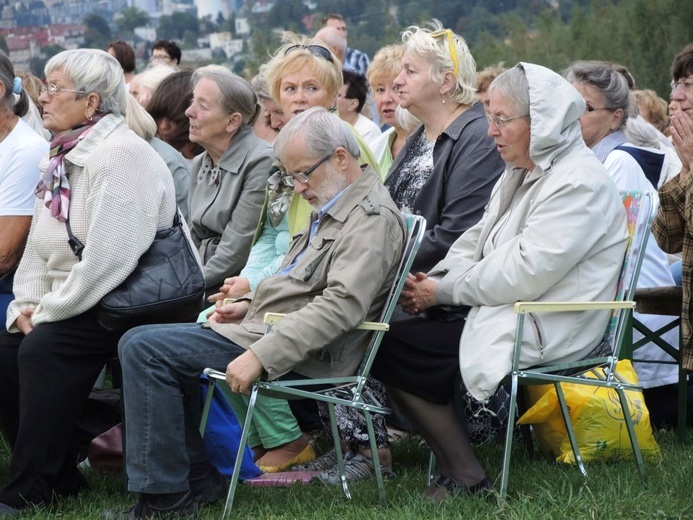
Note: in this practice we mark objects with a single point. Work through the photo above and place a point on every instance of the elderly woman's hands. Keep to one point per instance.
(24, 320)
(419, 293)
(682, 138)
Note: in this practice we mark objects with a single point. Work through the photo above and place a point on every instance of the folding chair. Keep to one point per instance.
(663, 301)
(346, 391)
(640, 210)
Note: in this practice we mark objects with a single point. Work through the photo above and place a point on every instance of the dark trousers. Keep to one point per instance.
(45, 380)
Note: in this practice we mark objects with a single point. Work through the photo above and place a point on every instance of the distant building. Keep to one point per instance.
(212, 8)
(242, 26)
(224, 41)
(150, 6)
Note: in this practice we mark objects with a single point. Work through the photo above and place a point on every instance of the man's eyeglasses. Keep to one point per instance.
(315, 50)
(590, 108)
(51, 89)
(685, 84)
(447, 33)
(499, 121)
(302, 177)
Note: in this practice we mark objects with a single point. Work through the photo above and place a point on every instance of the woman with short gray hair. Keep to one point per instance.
(228, 180)
(114, 192)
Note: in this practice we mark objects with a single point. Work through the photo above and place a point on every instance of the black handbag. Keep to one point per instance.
(167, 285)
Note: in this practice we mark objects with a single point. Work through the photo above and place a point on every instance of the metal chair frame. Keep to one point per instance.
(347, 391)
(641, 209)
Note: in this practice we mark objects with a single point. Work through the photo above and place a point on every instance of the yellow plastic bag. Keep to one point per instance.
(597, 418)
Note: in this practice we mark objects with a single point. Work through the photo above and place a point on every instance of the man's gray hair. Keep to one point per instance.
(512, 84)
(322, 134)
(93, 70)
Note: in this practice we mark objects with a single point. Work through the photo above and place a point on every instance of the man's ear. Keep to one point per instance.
(342, 156)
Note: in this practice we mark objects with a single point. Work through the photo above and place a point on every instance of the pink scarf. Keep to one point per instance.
(54, 187)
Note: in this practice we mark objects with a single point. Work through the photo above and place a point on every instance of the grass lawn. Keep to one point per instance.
(539, 489)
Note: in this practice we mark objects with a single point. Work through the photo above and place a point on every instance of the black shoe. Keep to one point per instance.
(209, 489)
(186, 507)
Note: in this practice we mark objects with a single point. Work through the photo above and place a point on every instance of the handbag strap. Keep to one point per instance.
(74, 242)
(77, 246)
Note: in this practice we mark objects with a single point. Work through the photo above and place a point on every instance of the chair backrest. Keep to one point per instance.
(416, 226)
(640, 210)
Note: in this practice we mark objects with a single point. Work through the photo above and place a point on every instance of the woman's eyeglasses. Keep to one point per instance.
(51, 89)
(447, 33)
(685, 84)
(315, 50)
(499, 121)
(590, 108)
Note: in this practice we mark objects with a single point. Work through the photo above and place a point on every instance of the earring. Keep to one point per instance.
(89, 118)
(443, 101)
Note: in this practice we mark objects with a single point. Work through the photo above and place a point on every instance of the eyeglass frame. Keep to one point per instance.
(686, 84)
(303, 177)
(501, 122)
(451, 47)
(590, 108)
(316, 50)
(51, 89)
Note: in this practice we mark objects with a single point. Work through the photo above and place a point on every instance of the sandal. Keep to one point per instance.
(445, 488)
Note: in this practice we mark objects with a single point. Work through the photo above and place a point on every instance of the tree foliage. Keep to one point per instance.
(174, 27)
(130, 18)
(97, 33)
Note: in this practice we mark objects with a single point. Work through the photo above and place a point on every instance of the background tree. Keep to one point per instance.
(130, 18)
(174, 27)
(97, 33)
(37, 64)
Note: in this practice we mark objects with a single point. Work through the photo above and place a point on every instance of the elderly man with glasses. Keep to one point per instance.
(336, 274)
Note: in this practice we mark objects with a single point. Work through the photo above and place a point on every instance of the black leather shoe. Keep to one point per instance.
(186, 507)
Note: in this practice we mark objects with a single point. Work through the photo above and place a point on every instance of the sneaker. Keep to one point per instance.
(356, 468)
(185, 508)
(326, 461)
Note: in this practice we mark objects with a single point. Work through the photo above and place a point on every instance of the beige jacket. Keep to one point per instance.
(342, 279)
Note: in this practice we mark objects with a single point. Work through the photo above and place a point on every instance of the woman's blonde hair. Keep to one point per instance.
(445, 51)
(656, 106)
(297, 52)
(138, 119)
(387, 63)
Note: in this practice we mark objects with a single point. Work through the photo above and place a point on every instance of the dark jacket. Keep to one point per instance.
(466, 165)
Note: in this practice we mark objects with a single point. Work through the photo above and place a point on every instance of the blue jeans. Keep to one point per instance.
(159, 363)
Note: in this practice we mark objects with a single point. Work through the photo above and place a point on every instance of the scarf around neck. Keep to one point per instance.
(54, 186)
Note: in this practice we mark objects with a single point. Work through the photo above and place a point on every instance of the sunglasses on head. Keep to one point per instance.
(315, 50)
(447, 34)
